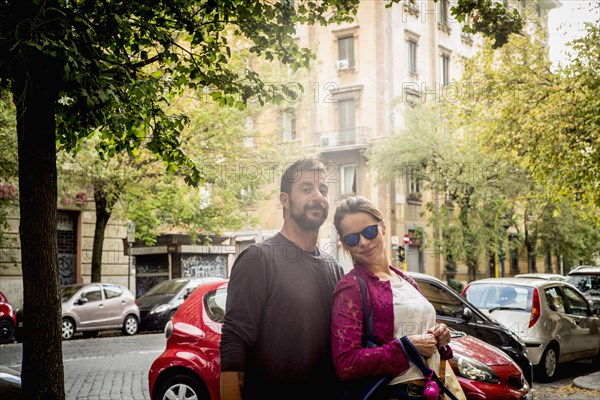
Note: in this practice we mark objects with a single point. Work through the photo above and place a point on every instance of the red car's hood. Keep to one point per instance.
(470, 346)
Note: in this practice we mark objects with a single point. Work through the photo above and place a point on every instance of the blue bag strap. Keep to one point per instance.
(368, 330)
(413, 355)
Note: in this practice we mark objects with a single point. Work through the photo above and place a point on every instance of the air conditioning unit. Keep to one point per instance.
(341, 65)
(328, 140)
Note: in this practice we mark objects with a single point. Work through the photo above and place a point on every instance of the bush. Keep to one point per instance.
(456, 285)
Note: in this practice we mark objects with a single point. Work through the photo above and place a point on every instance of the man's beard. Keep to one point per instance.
(302, 219)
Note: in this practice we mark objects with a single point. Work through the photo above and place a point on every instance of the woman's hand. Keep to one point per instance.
(441, 334)
(426, 344)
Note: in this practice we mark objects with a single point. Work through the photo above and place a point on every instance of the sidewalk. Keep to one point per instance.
(590, 381)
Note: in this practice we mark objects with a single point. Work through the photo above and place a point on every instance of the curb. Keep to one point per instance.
(590, 381)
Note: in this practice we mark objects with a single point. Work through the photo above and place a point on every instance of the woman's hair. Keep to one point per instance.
(353, 205)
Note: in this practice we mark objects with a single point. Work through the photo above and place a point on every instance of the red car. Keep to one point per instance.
(189, 367)
(8, 320)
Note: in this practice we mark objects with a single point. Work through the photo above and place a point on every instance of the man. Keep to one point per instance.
(276, 340)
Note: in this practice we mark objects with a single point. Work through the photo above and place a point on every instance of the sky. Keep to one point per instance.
(567, 23)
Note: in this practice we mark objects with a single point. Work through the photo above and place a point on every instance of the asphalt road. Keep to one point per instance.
(114, 367)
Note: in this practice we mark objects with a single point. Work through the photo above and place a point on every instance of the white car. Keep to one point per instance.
(542, 275)
(553, 318)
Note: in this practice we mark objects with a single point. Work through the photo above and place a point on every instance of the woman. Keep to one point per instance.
(397, 305)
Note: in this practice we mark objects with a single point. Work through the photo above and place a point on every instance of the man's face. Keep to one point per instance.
(308, 201)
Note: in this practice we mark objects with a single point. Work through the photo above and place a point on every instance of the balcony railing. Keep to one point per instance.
(352, 137)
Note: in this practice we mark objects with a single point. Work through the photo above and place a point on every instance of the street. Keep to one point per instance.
(116, 368)
(105, 368)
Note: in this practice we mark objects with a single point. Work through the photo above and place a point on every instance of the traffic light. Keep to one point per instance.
(401, 253)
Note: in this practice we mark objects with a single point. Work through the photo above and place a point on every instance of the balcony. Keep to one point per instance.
(345, 139)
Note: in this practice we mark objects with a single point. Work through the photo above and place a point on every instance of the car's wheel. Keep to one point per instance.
(7, 331)
(546, 369)
(68, 328)
(90, 334)
(130, 325)
(181, 387)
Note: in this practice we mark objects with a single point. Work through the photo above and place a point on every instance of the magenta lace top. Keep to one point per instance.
(351, 360)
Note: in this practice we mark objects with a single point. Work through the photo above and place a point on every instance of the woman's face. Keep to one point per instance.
(367, 252)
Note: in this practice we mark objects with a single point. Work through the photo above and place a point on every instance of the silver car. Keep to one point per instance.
(93, 307)
(553, 318)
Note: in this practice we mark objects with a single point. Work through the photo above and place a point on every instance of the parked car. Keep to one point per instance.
(189, 367)
(552, 317)
(587, 279)
(8, 320)
(93, 307)
(541, 275)
(459, 314)
(159, 304)
(10, 384)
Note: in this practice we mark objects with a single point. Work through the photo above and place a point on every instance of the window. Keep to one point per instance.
(443, 11)
(214, 303)
(92, 294)
(412, 56)
(555, 299)
(577, 304)
(111, 291)
(445, 69)
(444, 303)
(289, 125)
(346, 50)
(348, 179)
(414, 183)
(346, 121)
(414, 188)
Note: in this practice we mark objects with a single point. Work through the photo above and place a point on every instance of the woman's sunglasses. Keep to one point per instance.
(369, 233)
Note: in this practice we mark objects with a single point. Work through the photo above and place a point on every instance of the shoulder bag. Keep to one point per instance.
(434, 384)
(363, 389)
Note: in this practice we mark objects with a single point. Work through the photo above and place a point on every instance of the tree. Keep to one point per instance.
(111, 67)
(448, 163)
(546, 121)
(541, 125)
(86, 67)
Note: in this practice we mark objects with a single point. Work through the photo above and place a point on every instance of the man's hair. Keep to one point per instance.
(292, 173)
(353, 205)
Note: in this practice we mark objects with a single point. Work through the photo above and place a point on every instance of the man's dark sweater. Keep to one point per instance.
(278, 321)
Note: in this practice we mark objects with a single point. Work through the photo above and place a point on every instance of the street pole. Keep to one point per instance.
(130, 242)
(129, 266)
(406, 240)
(405, 255)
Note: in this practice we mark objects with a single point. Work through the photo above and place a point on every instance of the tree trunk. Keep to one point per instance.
(42, 367)
(103, 212)
(469, 239)
(530, 245)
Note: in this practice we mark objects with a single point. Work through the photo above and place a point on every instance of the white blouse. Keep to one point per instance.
(413, 315)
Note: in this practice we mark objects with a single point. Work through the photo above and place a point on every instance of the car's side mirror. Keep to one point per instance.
(188, 291)
(82, 301)
(553, 307)
(467, 314)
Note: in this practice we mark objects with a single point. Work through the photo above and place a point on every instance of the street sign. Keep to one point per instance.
(406, 238)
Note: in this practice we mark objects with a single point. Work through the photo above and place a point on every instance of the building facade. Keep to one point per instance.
(365, 74)
(76, 221)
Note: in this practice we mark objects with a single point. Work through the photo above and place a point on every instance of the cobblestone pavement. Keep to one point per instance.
(106, 368)
(113, 367)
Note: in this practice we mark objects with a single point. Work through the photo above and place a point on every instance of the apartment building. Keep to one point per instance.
(365, 74)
